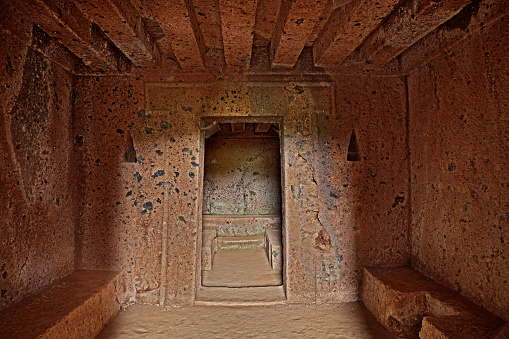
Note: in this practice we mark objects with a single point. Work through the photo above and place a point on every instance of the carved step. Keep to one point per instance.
(245, 242)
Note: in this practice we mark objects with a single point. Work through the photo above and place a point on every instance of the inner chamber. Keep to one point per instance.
(242, 206)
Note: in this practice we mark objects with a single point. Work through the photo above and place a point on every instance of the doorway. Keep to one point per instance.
(242, 203)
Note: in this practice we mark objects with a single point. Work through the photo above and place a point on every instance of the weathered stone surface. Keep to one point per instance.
(178, 22)
(166, 136)
(37, 230)
(67, 23)
(209, 248)
(238, 20)
(218, 38)
(346, 28)
(294, 26)
(123, 25)
(471, 19)
(274, 248)
(241, 266)
(402, 299)
(363, 204)
(267, 12)
(458, 141)
(242, 176)
(404, 27)
(240, 242)
(76, 306)
(209, 20)
(102, 165)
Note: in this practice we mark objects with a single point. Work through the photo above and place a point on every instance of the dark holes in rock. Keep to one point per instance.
(130, 151)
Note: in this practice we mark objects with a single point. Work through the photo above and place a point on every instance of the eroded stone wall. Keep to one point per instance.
(242, 176)
(338, 217)
(363, 204)
(36, 224)
(459, 130)
(113, 211)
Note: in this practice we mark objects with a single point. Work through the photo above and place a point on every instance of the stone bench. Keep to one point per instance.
(409, 304)
(240, 225)
(274, 248)
(76, 306)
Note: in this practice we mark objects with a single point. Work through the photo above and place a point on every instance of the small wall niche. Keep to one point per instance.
(130, 151)
(353, 149)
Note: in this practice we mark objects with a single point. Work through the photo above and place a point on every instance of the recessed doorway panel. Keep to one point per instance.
(242, 206)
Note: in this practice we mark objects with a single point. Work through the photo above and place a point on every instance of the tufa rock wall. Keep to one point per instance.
(242, 176)
(459, 126)
(145, 217)
(37, 228)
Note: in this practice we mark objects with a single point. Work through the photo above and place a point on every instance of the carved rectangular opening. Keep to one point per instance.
(241, 221)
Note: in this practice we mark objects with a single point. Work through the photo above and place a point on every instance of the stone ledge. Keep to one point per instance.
(407, 303)
(240, 225)
(274, 248)
(246, 296)
(244, 242)
(209, 247)
(76, 306)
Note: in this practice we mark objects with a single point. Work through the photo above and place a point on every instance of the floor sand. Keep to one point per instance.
(348, 320)
(240, 268)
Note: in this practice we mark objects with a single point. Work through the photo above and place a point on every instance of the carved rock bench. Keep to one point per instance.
(76, 306)
(411, 305)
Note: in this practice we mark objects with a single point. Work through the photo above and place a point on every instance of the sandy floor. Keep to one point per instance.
(241, 268)
(235, 268)
(349, 320)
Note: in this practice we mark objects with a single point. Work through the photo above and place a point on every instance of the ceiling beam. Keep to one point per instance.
(163, 53)
(122, 24)
(346, 28)
(479, 14)
(411, 22)
(324, 17)
(177, 19)
(208, 16)
(238, 127)
(238, 20)
(267, 12)
(262, 127)
(145, 28)
(295, 24)
(63, 20)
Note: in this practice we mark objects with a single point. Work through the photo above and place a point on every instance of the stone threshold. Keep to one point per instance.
(241, 296)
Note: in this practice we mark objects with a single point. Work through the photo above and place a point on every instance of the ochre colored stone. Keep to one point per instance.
(407, 303)
(359, 134)
(76, 306)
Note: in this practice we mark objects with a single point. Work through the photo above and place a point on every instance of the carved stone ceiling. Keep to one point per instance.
(218, 36)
